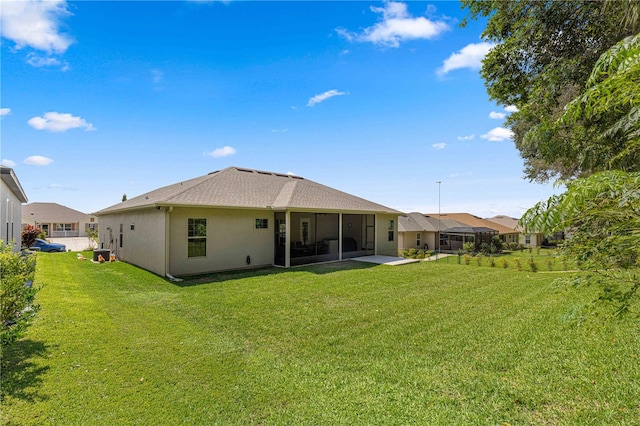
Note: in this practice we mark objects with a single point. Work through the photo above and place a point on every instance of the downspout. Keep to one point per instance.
(287, 239)
(340, 236)
(167, 234)
(375, 234)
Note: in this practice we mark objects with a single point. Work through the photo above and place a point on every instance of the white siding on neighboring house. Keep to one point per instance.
(11, 198)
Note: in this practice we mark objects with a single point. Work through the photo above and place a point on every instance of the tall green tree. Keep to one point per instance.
(544, 55)
(602, 214)
(602, 211)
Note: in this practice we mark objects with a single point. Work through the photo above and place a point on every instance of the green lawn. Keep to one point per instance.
(342, 343)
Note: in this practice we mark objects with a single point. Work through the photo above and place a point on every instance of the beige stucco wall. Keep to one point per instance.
(407, 240)
(536, 240)
(510, 238)
(231, 237)
(144, 245)
(82, 230)
(384, 247)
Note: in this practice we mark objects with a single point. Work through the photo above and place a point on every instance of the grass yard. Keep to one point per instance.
(432, 343)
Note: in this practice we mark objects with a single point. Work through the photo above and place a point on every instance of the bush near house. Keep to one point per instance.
(29, 235)
(17, 293)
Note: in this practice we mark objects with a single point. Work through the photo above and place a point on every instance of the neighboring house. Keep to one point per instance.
(57, 220)
(237, 218)
(12, 196)
(531, 239)
(507, 234)
(420, 232)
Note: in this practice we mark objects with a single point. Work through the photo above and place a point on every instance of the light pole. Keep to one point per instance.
(438, 245)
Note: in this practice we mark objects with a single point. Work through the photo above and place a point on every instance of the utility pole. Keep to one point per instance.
(438, 245)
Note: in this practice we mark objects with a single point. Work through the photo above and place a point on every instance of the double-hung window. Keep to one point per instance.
(197, 238)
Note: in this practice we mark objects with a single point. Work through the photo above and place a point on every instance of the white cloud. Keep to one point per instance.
(279, 130)
(35, 24)
(466, 138)
(225, 151)
(498, 134)
(497, 115)
(439, 146)
(8, 163)
(5, 111)
(511, 108)
(397, 25)
(38, 160)
(63, 187)
(324, 96)
(469, 56)
(46, 61)
(59, 122)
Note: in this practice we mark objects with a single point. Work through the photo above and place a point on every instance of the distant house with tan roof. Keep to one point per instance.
(420, 232)
(57, 220)
(238, 218)
(528, 239)
(507, 234)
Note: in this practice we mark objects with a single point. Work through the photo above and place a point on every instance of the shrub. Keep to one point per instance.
(469, 247)
(533, 265)
(420, 254)
(496, 244)
(466, 259)
(505, 263)
(29, 235)
(518, 264)
(479, 258)
(16, 296)
(492, 261)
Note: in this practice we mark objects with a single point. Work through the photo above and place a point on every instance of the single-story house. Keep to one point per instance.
(442, 232)
(57, 220)
(530, 239)
(13, 196)
(507, 234)
(237, 218)
(420, 232)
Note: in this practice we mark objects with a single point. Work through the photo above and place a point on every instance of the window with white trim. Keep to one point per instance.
(197, 238)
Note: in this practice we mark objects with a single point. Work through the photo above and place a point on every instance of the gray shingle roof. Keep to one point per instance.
(418, 222)
(52, 213)
(236, 187)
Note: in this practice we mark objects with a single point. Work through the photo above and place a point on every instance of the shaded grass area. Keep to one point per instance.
(340, 343)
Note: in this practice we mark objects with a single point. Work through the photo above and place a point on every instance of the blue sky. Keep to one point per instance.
(377, 99)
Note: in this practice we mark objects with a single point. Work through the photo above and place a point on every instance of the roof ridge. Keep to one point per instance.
(200, 179)
(286, 194)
